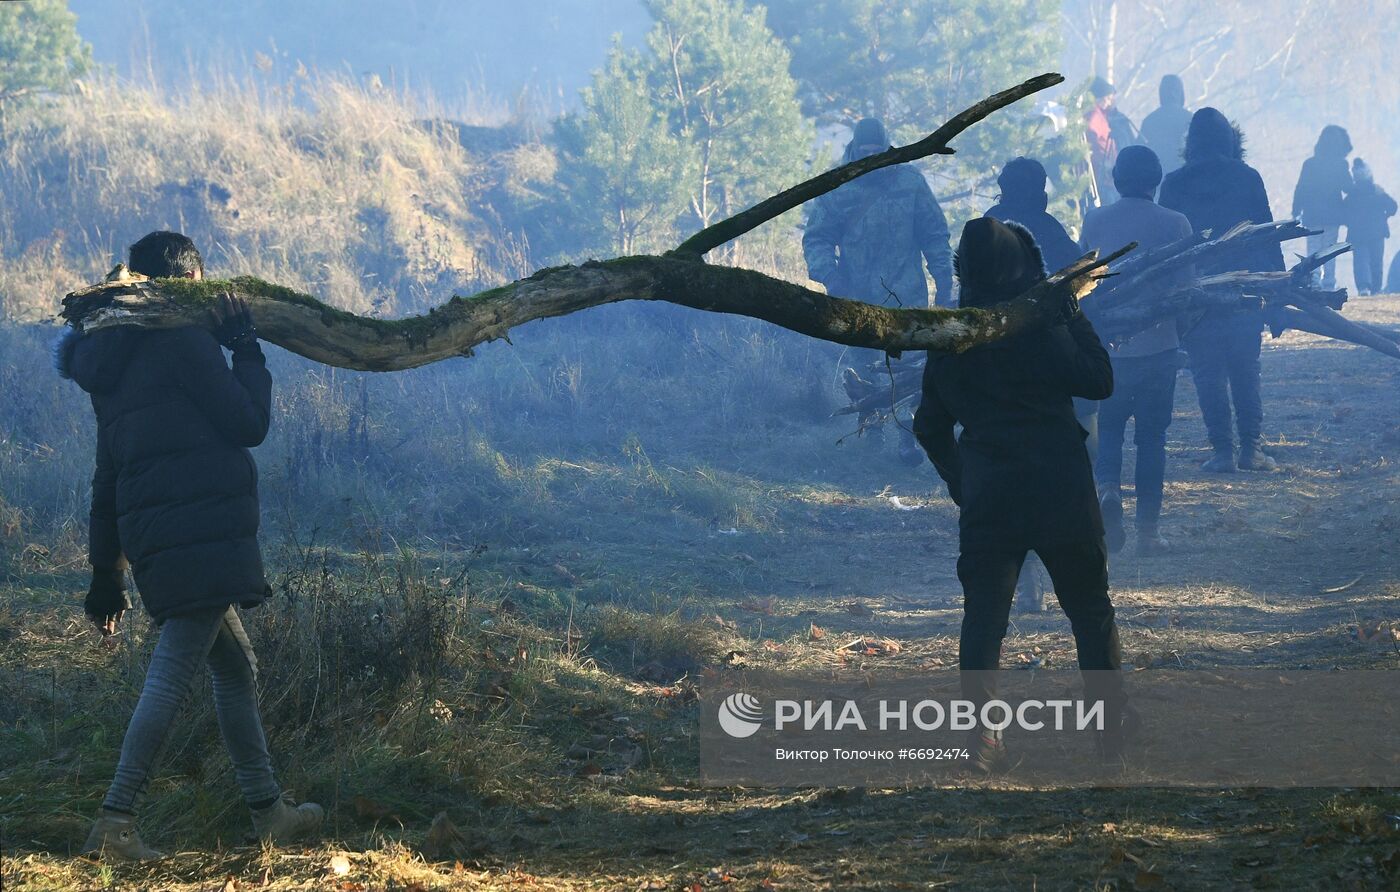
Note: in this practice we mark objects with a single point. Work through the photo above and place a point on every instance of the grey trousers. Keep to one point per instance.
(186, 644)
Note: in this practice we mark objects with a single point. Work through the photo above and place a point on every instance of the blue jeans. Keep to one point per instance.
(1144, 389)
(1225, 367)
(186, 644)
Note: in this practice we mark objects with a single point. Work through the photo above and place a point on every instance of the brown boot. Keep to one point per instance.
(284, 822)
(1253, 458)
(114, 836)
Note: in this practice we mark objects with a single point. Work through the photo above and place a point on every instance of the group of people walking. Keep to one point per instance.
(174, 494)
(1037, 465)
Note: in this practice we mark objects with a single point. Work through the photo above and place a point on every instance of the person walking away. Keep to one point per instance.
(1020, 474)
(1099, 131)
(1216, 190)
(175, 495)
(1368, 211)
(1025, 200)
(1320, 196)
(1164, 130)
(871, 238)
(1145, 365)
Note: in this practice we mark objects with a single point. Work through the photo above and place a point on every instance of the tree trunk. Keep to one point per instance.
(304, 325)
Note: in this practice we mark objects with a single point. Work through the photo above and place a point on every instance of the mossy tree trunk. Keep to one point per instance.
(305, 325)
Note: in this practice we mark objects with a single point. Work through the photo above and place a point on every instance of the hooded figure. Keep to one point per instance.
(1368, 212)
(1019, 471)
(1164, 130)
(1319, 199)
(1024, 201)
(870, 239)
(1216, 191)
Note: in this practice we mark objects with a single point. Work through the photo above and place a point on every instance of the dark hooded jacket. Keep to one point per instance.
(1164, 131)
(1024, 201)
(1019, 471)
(1323, 183)
(175, 488)
(1216, 190)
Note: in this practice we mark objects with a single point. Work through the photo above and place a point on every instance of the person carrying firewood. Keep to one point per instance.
(175, 495)
(1020, 474)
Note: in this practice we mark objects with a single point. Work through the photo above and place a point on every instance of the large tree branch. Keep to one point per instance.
(304, 325)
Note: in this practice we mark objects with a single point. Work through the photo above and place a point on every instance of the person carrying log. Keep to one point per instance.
(175, 494)
(871, 238)
(1020, 474)
(1216, 190)
(1145, 365)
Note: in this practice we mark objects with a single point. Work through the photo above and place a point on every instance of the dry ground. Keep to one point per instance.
(1292, 569)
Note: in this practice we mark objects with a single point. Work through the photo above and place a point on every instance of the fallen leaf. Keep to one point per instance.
(1110, 827)
(816, 632)
(230, 884)
(340, 865)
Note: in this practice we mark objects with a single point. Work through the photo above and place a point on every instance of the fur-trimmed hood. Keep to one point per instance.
(95, 362)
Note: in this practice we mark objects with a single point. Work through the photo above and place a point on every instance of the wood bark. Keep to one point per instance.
(301, 323)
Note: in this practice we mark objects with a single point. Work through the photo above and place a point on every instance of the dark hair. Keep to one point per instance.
(1212, 135)
(1101, 88)
(1138, 172)
(1022, 181)
(165, 255)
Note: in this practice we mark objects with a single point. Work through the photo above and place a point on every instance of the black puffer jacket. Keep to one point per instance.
(175, 488)
(1019, 471)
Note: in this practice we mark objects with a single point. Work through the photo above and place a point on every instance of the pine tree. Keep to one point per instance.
(40, 51)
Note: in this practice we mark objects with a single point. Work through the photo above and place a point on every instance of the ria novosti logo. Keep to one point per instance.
(740, 715)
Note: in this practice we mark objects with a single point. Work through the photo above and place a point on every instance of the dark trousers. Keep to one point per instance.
(1368, 263)
(1079, 573)
(1225, 366)
(1144, 389)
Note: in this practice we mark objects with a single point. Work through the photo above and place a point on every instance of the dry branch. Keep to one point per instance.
(304, 325)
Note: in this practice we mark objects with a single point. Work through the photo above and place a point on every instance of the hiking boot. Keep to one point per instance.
(1150, 543)
(284, 822)
(988, 752)
(1252, 458)
(114, 836)
(1111, 507)
(1222, 462)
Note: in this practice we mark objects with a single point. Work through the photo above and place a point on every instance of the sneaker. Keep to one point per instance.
(1111, 507)
(988, 752)
(1252, 458)
(284, 822)
(1222, 462)
(114, 836)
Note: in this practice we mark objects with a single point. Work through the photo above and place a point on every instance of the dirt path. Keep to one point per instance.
(1270, 570)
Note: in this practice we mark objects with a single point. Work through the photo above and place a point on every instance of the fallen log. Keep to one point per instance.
(302, 324)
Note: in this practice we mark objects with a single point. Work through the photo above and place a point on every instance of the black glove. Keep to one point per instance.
(1071, 309)
(106, 598)
(235, 329)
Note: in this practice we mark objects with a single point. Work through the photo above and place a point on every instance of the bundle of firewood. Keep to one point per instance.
(1148, 287)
